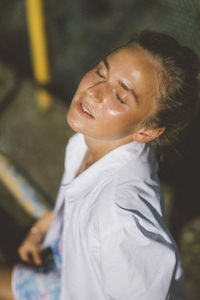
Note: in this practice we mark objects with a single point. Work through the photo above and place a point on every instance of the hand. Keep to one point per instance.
(30, 249)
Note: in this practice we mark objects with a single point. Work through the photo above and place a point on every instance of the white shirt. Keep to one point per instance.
(115, 243)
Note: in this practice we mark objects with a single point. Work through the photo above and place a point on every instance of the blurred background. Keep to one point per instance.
(44, 52)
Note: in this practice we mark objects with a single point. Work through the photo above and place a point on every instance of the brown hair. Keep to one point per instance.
(178, 82)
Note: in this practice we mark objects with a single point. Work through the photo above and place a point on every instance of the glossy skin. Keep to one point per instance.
(117, 113)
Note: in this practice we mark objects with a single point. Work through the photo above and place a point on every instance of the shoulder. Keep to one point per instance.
(132, 198)
(130, 212)
(134, 181)
(128, 216)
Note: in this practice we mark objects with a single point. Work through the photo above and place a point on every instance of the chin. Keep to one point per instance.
(74, 123)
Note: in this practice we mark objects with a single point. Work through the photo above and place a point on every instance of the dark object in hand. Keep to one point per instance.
(47, 261)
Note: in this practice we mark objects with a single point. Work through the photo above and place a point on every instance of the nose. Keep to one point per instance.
(99, 91)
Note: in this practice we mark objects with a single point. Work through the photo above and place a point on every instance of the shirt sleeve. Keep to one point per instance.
(136, 265)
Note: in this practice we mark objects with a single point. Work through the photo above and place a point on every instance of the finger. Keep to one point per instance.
(36, 256)
(24, 253)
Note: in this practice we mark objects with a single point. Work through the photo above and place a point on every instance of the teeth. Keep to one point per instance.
(85, 109)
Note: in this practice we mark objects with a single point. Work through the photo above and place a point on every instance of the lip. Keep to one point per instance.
(81, 111)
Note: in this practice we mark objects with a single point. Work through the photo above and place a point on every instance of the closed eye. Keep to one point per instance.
(120, 99)
(102, 76)
(99, 74)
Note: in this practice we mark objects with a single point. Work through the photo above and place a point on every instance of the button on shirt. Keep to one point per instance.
(115, 243)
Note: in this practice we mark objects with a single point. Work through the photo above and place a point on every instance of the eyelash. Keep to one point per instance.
(117, 95)
(99, 74)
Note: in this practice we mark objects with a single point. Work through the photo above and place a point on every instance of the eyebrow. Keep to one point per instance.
(106, 63)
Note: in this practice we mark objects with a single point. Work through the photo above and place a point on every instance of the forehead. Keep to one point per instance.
(135, 56)
(136, 66)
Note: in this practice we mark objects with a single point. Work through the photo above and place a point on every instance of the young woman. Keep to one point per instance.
(107, 231)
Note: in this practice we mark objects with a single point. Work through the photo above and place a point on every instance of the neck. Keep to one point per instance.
(98, 148)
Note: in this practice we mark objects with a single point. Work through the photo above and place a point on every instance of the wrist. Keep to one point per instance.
(36, 232)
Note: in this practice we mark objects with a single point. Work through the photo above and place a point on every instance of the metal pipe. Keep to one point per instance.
(38, 45)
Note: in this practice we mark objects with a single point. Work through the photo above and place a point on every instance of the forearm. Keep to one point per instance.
(42, 225)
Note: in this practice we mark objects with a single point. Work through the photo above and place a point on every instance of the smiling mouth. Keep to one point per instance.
(84, 110)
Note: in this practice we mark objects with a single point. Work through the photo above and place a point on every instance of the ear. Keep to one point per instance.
(148, 134)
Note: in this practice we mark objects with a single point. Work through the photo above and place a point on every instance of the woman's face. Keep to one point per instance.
(114, 98)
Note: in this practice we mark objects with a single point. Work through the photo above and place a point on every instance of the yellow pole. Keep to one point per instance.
(38, 44)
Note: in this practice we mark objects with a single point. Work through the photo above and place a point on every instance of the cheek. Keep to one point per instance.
(121, 116)
(115, 112)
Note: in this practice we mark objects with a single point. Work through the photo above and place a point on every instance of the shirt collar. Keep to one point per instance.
(105, 167)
